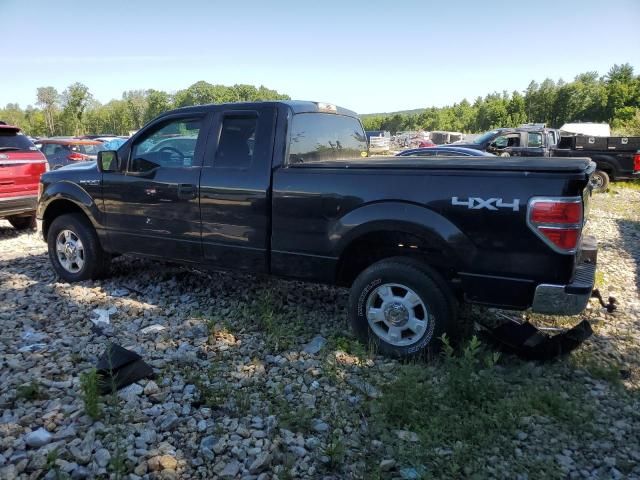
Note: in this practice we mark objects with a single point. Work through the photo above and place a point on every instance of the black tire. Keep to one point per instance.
(95, 259)
(432, 291)
(23, 223)
(599, 181)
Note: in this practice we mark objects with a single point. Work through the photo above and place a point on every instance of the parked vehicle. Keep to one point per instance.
(613, 163)
(66, 151)
(21, 165)
(426, 143)
(444, 151)
(587, 128)
(379, 141)
(114, 143)
(285, 188)
(444, 137)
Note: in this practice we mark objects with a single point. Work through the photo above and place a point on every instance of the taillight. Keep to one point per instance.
(76, 157)
(557, 221)
(636, 163)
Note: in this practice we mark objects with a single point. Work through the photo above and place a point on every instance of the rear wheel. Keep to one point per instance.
(23, 223)
(599, 181)
(401, 307)
(74, 249)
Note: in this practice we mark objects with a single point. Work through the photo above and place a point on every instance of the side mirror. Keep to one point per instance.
(108, 161)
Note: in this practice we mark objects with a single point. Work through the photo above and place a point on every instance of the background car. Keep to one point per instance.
(61, 152)
(21, 165)
(447, 151)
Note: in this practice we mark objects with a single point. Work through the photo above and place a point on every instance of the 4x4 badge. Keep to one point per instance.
(475, 203)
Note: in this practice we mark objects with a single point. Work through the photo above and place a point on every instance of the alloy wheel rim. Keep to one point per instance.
(397, 314)
(70, 251)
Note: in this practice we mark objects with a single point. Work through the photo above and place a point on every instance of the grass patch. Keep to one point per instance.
(469, 407)
(335, 451)
(267, 313)
(629, 184)
(30, 392)
(293, 418)
(598, 368)
(91, 393)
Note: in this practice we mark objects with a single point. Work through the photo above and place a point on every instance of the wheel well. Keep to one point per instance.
(54, 210)
(376, 246)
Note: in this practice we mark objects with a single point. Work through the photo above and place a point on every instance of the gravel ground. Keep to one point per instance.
(259, 378)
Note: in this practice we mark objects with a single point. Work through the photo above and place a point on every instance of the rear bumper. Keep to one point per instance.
(17, 205)
(570, 299)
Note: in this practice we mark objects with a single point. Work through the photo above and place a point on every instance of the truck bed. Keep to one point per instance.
(519, 164)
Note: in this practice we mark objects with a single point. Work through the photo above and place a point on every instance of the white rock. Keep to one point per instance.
(38, 438)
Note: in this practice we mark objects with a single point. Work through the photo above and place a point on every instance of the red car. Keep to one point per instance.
(21, 165)
(426, 143)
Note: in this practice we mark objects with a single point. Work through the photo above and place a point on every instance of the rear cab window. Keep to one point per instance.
(321, 137)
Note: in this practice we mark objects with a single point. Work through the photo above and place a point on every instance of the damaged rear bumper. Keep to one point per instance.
(570, 299)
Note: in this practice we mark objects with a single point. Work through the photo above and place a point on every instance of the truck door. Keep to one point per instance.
(235, 188)
(152, 206)
(534, 146)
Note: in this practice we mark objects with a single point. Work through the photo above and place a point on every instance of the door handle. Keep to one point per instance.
(187, 191)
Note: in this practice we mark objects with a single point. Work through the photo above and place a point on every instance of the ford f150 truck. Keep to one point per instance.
(616, 158)
(287, 189)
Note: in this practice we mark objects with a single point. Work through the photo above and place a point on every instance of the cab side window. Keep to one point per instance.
(534, 140)
(237, 142)
(172, 145)
(504, 141)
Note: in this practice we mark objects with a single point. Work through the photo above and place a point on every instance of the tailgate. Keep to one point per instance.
(20, 173)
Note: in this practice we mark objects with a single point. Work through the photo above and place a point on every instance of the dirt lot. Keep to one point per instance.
(259, 378)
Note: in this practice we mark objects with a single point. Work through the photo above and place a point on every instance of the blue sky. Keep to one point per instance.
(370, 56)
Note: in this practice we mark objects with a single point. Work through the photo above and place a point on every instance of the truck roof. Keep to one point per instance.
(296, 106)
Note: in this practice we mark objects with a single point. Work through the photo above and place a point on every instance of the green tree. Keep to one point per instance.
(157, 102)
(75, 100)
(48, 100)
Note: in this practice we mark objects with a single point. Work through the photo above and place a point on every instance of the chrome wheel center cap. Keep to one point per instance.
(396, 314)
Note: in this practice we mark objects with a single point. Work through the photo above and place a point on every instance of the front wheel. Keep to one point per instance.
(401, 307)
(599, 181)
(23, 223)
(74, 249)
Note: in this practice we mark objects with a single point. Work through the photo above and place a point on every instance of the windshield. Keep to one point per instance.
(484, 137)
(11, 140)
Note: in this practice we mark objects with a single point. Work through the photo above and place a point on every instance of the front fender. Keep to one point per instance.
(404, 217)
(70, 192)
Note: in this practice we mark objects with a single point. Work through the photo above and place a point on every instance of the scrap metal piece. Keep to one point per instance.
(119, 367)
(527, 341)
(611, 304)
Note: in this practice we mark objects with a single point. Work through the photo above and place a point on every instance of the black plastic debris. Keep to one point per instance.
(525, 340)
(119, 367)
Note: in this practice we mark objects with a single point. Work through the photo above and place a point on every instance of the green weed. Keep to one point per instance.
(90, 393)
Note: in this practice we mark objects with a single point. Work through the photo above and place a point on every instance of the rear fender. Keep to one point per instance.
(440, 234)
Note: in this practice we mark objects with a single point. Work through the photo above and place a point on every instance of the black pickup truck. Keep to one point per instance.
(287, 189)
(616, 158)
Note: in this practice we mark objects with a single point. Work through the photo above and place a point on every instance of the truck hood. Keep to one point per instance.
(88, 165)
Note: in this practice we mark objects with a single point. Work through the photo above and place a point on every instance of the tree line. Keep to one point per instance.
(613, 98)
(76, 112)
